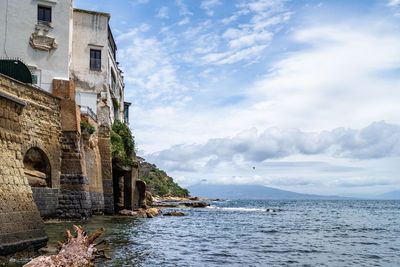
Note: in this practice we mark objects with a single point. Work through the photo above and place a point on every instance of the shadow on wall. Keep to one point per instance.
(37, 168)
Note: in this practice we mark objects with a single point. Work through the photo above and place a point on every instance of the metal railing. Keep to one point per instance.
(88, 111)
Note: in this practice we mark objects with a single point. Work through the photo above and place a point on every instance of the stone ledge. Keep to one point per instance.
(32, 244)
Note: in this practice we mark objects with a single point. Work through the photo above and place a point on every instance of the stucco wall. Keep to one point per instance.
(91, 32)
(19, 21)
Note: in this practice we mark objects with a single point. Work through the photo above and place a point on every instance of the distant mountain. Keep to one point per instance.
(249, 192)
(395, 195)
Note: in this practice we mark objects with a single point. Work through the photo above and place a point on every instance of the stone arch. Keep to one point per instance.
(37, 167)
(53, 154)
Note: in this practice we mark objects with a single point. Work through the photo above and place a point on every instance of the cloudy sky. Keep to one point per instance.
(297, 95)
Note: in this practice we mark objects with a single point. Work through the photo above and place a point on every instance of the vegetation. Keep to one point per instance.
(123, 150)
(87, 126)
(159, 183)
(122, 144)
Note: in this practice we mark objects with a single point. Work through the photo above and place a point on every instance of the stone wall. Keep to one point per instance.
(40, 123)
(91, 154)
(21, 224)
(46, 200)
(104, 144)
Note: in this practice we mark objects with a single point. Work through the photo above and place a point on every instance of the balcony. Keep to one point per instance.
(85, 110)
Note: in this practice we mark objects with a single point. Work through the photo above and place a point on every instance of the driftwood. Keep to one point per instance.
(75, 251)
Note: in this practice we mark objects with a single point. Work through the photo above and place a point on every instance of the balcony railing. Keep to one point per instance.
(88, 111)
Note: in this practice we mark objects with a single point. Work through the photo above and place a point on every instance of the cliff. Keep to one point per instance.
(158, 182)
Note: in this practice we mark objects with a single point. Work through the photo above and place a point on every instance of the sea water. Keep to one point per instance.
(242, 233)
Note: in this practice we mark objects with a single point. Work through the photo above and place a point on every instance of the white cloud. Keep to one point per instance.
(394, 3)
(149, 68)
(162, 13)
(208, 6)
(132, 32)
(183, 9)
(139, 2)
(244, 42)
(375, 141)
(184, 21)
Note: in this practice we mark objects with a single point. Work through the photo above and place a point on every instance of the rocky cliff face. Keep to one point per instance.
(158, 182)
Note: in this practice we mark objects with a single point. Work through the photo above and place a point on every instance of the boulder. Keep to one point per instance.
(175, 213)
(165, 205)
(273, 210)
(196, 204)
(148, 199)
(153, 212)
(142, 213)
(128, 213)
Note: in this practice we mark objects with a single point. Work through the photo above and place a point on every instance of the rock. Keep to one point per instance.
(153, 212)
(128, 213)
(142, 213)
(148, 198)
(165, 205)
(48, 251)
(273, 210)
(196, 204)
(194, 198)
(175, 213)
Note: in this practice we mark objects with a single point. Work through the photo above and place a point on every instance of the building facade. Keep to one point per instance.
(64, 170)
(40, 33)
(94, 70)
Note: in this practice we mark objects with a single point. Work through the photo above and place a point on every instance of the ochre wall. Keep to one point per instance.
(21, 226)
(40, 122)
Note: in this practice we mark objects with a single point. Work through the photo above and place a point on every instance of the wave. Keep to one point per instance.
(237, 209)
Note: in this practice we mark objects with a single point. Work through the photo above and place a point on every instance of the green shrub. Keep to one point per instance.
(87, 126)
(122, 143)
(159, 183)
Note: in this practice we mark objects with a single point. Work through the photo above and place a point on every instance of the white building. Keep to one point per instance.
(94, 70)
(39, 33)
(56, 41)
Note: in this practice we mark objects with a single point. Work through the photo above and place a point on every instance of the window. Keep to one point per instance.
(116, 110)
(126, 112)
(95, 59)
(44, 15)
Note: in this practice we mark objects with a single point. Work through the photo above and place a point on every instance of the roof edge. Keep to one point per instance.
(92, 12)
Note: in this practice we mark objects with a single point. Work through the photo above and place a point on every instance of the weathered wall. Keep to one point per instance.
(74, 197)
(21, 225)
(17, 32)
(46, 200)
(91, 32)
(91, 154)
(40, 123)
(104, 144)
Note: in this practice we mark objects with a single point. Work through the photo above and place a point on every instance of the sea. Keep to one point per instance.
(244, 233)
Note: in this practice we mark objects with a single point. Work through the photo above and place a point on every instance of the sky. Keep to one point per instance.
(297, 95)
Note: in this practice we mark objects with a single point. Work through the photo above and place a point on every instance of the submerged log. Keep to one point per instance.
(75, 251)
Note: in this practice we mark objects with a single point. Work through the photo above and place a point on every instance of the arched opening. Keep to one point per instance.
(37, 168)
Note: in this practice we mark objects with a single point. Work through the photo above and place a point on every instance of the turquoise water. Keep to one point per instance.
(241, 233)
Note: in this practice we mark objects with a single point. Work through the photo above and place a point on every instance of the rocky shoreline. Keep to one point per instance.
(152, 204)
